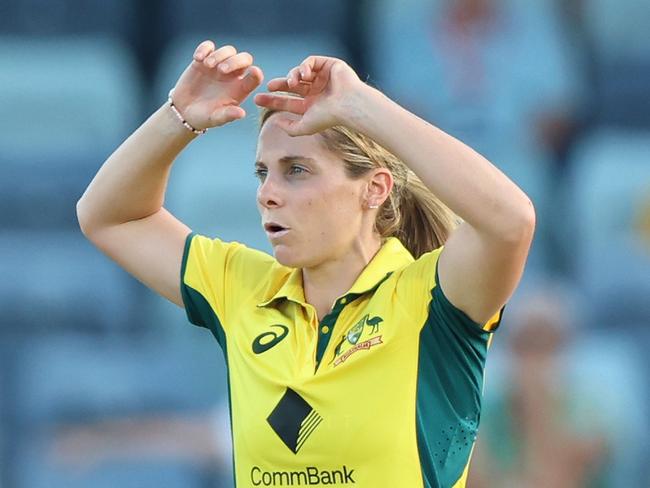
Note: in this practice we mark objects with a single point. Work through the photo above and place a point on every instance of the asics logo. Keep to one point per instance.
(267, 340)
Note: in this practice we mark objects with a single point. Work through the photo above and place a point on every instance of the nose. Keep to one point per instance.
(268, 193)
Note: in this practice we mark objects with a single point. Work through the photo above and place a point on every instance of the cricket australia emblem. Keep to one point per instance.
(362, 336)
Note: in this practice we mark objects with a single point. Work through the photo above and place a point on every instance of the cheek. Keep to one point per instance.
(345, 205)
(318, 216)
(334, 213)
(329, 212)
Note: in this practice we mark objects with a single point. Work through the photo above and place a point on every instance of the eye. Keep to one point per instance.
(260, 173)
(297, 170)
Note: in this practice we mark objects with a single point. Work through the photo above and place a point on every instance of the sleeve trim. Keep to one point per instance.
(186, 254)
(192, 314)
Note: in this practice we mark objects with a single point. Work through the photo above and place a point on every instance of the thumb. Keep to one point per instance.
(226, 114)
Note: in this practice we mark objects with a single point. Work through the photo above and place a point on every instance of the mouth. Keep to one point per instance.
(274, 230)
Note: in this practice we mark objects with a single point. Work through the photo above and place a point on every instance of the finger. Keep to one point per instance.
(278, 84)
(237, 73)
(253, 78)
(315, 71)
(236, 62)
(281, 84)
(284, 103)
(293, 77)
(306, 72)
(221, 54)
(313, 64)
(203, 49)
(226, 114)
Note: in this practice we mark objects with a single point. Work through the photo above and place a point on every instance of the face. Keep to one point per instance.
(312, 211)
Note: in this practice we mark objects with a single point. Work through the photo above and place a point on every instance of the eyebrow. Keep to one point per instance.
(289, 159)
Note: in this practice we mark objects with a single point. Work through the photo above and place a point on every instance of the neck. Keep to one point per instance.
(324, 283)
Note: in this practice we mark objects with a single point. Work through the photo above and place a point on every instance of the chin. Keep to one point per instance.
(287, 256)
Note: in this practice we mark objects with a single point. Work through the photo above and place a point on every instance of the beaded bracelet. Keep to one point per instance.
(180, 117)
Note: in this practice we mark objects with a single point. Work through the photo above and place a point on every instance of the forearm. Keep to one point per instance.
(464, 180)
(131, 184)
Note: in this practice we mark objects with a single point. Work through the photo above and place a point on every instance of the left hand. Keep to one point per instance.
(325, 89)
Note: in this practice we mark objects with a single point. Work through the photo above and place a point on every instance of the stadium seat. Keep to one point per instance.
(619, 41)
(581, 359)
(612, 361)
(618, 28)
(252, 18)
(41, 192)
(608, 185)
(68, 17)
(68, 112)
(71, 379)
(491, 83)
(593, 361)
(485, 87)
(4, 419)
(622, 93)
(80, 98)
(34, 471)
(57, 281)
(76, 377)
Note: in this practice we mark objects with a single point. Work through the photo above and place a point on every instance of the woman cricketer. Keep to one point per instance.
(356, 352)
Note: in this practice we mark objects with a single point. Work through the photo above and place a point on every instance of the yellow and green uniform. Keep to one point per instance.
(384, 392)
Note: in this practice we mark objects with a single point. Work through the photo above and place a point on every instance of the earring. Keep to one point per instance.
(373, 206)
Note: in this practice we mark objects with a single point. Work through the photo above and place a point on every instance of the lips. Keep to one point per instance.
(275, 231)
(274, 227)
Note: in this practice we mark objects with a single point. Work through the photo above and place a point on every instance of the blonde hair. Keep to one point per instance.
(411, 213)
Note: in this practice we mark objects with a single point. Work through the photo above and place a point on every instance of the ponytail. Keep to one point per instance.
(425, 222)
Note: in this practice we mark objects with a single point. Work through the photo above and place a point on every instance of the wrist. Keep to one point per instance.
(181, 118)
(170, 126)
(356, 109)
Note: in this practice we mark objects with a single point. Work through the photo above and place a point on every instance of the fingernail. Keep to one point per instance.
(224, 67)
(211, 62)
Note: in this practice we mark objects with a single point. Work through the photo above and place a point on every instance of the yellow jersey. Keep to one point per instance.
(384, 392)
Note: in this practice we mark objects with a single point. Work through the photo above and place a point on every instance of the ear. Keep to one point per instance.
(378, 187)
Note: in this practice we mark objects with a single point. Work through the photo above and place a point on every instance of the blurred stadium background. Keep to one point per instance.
(104, 384)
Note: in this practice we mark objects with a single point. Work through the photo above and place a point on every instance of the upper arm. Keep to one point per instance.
(151, 249)
(479, 272)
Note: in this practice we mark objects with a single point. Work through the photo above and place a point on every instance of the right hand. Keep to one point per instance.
(216, 82)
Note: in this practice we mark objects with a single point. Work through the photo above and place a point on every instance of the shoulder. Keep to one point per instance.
(212, 264)
(421, 272)
(217, 277)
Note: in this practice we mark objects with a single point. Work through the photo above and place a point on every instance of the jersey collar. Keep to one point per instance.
(391, 256)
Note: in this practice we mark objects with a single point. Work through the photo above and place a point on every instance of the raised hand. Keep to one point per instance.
(216, 82)
(321, 90)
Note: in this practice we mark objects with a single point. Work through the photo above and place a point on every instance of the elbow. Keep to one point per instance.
(83, 218)
(521, 224)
